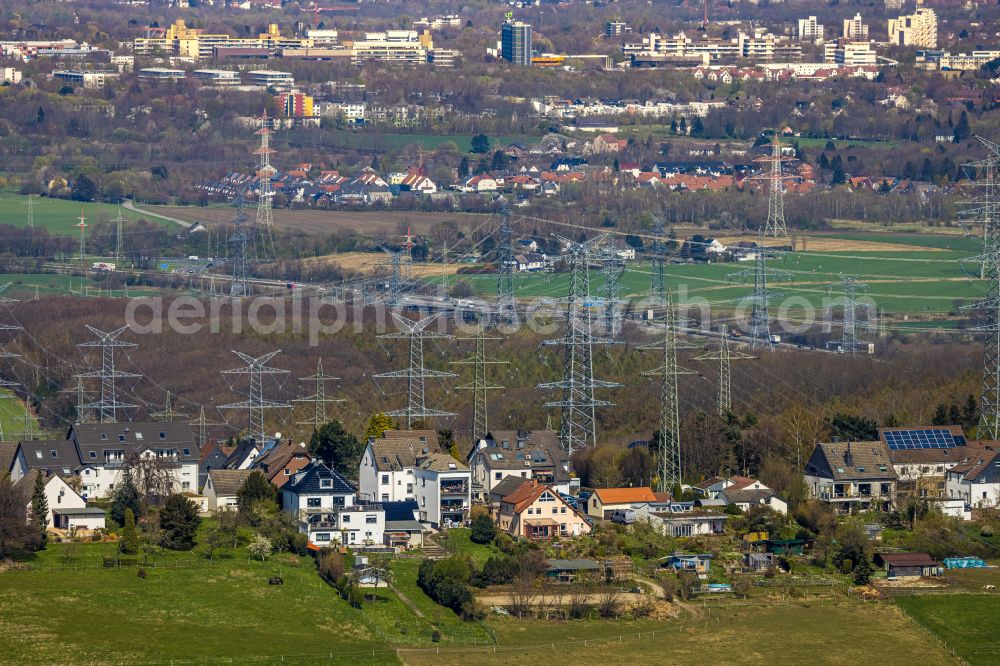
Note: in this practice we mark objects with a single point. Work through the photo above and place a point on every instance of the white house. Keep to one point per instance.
(386, 470)
(66, 507)
(481, 183)
(851, 476)
(977, 482)
(221, 487)
(442, 487)
(746, 499)
(97, 452)
(713, 487)
(324, 505)
(681, 519)
(606, 501)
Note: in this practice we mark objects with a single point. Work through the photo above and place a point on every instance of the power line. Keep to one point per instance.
(760, 322)
(505, 307)
(725, 356)
(108, 405)
(256, 403)
(669, 454)
(318, 397)
(985, 208)
(577, 424)
(414, 332)
(480, 387)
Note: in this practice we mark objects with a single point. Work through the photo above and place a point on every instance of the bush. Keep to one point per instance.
(179, 521)
(331, 566)
(445, 582)
(498, 570)
(483, 529)
(298, 543)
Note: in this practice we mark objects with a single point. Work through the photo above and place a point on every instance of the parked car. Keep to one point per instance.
(623, 516)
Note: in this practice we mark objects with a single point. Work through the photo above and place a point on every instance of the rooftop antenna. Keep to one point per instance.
(725, 356)
(318, 397)
(108, 405)
(669, 454)
(415, 332)
(480, 386)
(578, 423)
(256, 403)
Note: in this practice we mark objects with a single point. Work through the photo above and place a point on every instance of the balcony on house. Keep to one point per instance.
(455, 487)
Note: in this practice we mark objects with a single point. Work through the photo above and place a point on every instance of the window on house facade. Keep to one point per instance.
(371, 520)
(498, 475)
(385, 497)
(409, 489)
(385, 479)
(326, 483)
(322, 536)
(346, 518)
(313, 502)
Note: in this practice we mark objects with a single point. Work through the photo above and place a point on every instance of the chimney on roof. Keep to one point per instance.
(848, 456)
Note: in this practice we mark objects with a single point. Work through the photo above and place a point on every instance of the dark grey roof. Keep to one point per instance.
(7, 452)
(247, 448)
(403, 526)
(85, 511)
(747, 496)
(25, 487)
(310, 481)
(399, 511)
(573, 565)
(508, 485)
(51, 456)
(93, 439)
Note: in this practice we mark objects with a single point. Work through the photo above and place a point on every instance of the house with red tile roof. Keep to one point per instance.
(536, 511)
(605, 501)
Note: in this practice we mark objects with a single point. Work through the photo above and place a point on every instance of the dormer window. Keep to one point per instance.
(326, 483)
(163, 435)
(121, 438)
(104, 435)
(187, 452)
(55, 454)
(93, 454)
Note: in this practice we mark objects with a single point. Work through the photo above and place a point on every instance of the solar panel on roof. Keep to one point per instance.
(922, 438)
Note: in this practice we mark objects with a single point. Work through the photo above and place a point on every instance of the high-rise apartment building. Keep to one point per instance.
(916, 29)
(855, 29)
(515, 42)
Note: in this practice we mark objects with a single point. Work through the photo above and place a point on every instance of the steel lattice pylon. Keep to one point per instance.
(415, 332)
(849, 334)
(394, 291)
(985, 209)
(318, 397)
(658, 275)
(613, 266)
(202, 423)
(775, 225)
(669, 455)
(255, 405)
(167, 413)
(107, 407)
(760, 320)
(506, 309)
(577, 425)
(725, 356)
(119, 239)
(265, 200)
(30, 203)
(480, 386)
(240, 285)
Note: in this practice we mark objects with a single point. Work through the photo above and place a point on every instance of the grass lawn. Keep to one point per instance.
(459, 542)
(12, 410)
(967, 623)
(838, 633)
(382, 141)
(59, 216)
(105, 616)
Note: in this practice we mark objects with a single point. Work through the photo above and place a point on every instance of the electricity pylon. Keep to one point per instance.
(119, 239)
(256, 403)
(318, 397)
(83, 413)
(480, 386)
(240, 285)
(760, 321)
(849, 335)
(658, 278)
(415, 332)
(775, 225)
(265, 200)
(29, 431)
(167, 413)
(669, 465)
(203, 424)
(394, 290)
(725, 356)
(612, 265)
(985, 209)
(108, 406)
(577, 423)
(30, 203)
(506, 310)
(83, 238)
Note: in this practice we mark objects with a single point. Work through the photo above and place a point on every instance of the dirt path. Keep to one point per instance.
(406, 600)
(131, 206)
(547, 599)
